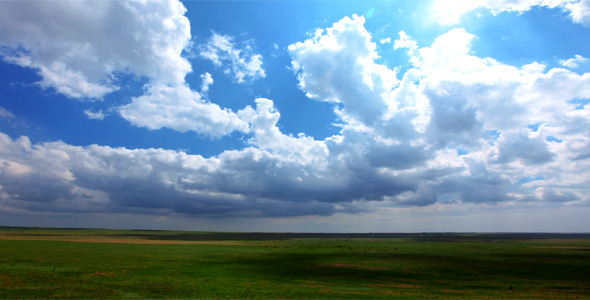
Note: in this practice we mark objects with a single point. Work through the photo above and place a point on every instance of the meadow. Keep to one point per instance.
(96, 263)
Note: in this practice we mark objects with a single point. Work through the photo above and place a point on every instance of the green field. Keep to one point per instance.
(83, 263)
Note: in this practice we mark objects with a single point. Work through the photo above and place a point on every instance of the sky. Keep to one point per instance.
(301, 116)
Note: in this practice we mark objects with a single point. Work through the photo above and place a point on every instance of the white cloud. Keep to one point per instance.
(573, 62)
(385, 41)
(449, 12)
(579, 11)
(181, 109)
(405, 41)
(338, 65)
(6, 114)
(242, 64)
(94, 115)
(498, 92)
(207, 82)
(267, 136)
(79, 47)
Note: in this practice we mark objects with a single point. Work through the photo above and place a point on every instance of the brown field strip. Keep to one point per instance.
(84, 238)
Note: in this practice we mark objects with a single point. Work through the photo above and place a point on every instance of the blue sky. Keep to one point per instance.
(357, 116)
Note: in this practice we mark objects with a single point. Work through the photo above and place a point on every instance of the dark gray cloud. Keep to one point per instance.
(453, 122)
(521, 147)
(398, 157)
(551, 195)
(59, 177)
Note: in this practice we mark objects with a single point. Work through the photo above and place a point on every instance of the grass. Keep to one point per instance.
(83, 263)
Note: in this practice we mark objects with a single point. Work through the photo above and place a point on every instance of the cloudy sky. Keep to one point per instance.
(326, 116)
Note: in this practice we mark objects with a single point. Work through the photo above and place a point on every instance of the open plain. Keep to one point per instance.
(100, 263)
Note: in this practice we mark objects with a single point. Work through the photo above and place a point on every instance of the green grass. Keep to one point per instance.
(265, 265)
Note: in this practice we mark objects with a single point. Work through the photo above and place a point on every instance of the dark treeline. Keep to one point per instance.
(260, 236)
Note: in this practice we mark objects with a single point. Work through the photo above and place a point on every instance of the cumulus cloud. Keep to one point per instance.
(449, 12)
(470, 96)
(82, 52)
(181, 109)
(579, 11)
(266, 135)
(338, 65)
(453, 122)
(252, 182)
(519, 146)
(452, 99)
(241, 64)
(498, 92)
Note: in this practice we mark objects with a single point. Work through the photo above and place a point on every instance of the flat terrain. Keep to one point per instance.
(85, 263)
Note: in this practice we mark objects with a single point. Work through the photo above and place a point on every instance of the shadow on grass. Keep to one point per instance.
(450, 271)
(316, 266)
